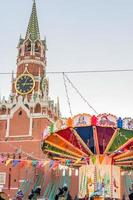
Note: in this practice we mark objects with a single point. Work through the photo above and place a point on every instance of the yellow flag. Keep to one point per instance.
(29, 163)
(8, 162)
(101, 158)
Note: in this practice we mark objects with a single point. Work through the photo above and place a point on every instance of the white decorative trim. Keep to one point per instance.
(42, 116)
(37, 78)
(3, 174)
(20, 141)
(12, 188)
(37, 115)
(37, 58)
(18, 136)
(22, 181)
(8, 126)
(42, 49)
(20, 104)
(3, 117)
(30, 129)
(31, 61)
(27, 57)
(23, 48)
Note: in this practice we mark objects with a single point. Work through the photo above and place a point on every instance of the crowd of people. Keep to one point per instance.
(62, 194)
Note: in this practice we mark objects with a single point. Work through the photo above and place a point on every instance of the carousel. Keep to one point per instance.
(99, 147)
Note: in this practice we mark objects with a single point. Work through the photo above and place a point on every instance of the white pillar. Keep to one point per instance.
(30, 129)
(8, 126)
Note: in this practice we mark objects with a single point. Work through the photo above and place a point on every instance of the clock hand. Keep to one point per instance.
(24, 84)
(26, 80)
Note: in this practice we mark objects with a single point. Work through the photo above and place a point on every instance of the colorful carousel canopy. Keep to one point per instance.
(84, 139)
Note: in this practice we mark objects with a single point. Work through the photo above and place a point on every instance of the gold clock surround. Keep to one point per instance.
(17, 82)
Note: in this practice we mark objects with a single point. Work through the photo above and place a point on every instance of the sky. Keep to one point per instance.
(81, 35)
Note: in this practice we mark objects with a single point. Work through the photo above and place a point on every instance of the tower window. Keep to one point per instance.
(20, 113)
(26, 105)
(19, 52)
(3, 110)
(28, 46)
(38, 108)
(37, 48)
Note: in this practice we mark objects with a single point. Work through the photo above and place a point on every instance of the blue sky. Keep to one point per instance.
(81, 35)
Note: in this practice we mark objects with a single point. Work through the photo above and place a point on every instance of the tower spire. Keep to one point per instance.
(33, 27)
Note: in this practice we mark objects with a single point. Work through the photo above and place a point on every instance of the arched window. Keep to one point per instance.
(37, 47)
(26, 105)
(28, 46)
(3, 110)
(20, 52)
(38, 108)
(20, 113)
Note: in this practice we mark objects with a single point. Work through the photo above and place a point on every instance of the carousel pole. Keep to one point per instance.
(111, 184)
(95, 178)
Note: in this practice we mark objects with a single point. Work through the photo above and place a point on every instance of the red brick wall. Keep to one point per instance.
(3, 126)
(38, 127)
(19, 124)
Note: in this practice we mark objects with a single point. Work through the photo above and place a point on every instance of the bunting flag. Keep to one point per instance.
(15, 162)
(1, 159)
(51, 163)
(93, 159)
(29, 163)
(22, 163)
(4, 159)
(55, 165)
(68, 162)
(51, 128)
(39, 164)
(45, 162)
(69, 122)
(8, 162)
(101, 158)
(87, 160)
(77, 161)
(34, 163)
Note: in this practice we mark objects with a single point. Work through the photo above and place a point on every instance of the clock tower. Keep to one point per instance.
(31, 81)
(29, 109)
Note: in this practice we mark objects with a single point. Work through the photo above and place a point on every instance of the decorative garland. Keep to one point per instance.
(103, 120)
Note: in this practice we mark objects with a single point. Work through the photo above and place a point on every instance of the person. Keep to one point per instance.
(76, 197)
(86, 197)
(35, 193)
(63, 193)
(59, 194)
(131, 192)
(68, 196)
(19, 195)
(1, 198)
(31, 195)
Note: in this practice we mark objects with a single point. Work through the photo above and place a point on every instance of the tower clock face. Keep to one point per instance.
(25, 83)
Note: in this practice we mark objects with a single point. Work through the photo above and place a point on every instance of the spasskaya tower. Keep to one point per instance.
(31, 78)
(29, 109)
